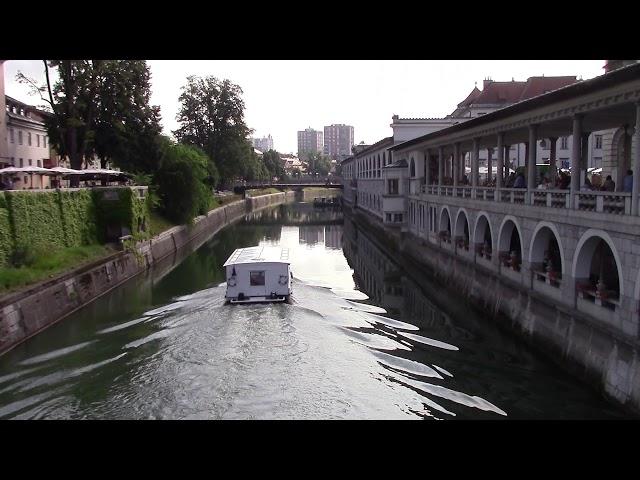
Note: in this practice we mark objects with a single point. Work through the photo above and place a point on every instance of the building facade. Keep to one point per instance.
(263, 144)
(563, 265)
(338, 141)
(309, 141)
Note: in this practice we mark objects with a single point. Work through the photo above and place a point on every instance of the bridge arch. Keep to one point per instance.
(596, 260)
(546, 245)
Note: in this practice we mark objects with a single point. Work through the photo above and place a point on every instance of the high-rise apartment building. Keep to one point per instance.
(263, 144)
(309, 141)
(338, 140)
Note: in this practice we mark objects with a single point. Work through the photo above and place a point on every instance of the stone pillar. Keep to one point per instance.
(507, 160)
(440, 165)
(456, 163)
(427, 168)
(584, 157)
(489, 166)
(635, 165)
(575, 159)
(475, 154)
(500, 165)
(552, 158)
(531, 161)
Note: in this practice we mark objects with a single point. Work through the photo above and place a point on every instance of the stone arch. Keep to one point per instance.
(445, 220)
(412, 168)
(461, 223)
(544, 233)
(480, 230)
(510, 240)
(621, 153)
(585, 251)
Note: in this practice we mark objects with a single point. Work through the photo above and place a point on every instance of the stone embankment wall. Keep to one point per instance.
(589, 350)
(25, 313)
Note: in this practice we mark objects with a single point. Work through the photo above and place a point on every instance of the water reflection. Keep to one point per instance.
(365, 337)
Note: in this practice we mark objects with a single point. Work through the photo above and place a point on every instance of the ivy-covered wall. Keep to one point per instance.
(5, 232)
(58, 218)
(121, 212)
(35, 219)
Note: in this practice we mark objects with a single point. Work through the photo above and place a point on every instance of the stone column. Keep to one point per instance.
(635, 162)
(440, 165)
(489, 166)
(575, 159)
(427, 168)
(552, 158)
(531, 161)
(475, 153)
(507, 160)
(456, 163)
(500, 165)
(584, 157)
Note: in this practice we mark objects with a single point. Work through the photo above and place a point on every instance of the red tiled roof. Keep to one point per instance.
(540, 85)
(472, 96)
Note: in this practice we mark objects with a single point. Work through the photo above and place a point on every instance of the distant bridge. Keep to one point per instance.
(283, 185)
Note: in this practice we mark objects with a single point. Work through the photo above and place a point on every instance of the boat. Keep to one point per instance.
(258, 274)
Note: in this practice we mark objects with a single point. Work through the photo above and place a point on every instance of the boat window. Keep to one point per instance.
(256, 278)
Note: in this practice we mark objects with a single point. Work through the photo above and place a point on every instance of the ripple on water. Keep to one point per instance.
(390, 322)
(376, 340)
(428, 341)
(452, 395)
(55, 353)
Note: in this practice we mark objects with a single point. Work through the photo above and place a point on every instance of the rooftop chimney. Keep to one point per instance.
(486, 82)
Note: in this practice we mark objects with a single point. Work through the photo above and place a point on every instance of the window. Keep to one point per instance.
(19, 137)
(37, 140)
(563, 143)
(256, 279)
(29, 138)
(40, 163)
(392, 186)
(30, 164)
(11, 136)
(598, 141)
(397, 217)
(44, 141)
(21, 163)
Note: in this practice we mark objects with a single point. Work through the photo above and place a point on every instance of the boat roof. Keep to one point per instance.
(259, 254)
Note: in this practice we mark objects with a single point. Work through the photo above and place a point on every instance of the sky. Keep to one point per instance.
(284, 96)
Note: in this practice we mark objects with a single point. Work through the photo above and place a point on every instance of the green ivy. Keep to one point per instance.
(5, 232)
(51, 219)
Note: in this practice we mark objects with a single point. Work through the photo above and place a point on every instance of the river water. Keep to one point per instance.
(360, 340)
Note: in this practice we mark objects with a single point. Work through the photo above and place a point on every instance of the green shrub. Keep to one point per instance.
(181, 183)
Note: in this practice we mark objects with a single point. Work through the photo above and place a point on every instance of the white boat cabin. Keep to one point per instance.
(258, 274)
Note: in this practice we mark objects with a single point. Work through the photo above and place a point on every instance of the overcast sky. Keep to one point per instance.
(285, 96)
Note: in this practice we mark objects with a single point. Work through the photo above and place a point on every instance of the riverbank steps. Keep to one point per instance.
(29, 311)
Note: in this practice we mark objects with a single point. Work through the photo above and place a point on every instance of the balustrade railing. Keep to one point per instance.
(618, 203)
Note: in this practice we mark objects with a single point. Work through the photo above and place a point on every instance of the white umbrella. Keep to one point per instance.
(65, 171)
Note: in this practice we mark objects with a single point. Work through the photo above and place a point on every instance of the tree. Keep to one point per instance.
(273, 164)
(318, 164)
(127, 126)
(181, 182)
(101, 107)
(211, 117)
